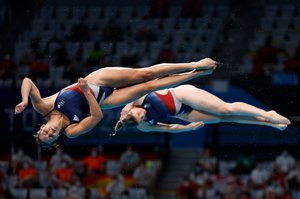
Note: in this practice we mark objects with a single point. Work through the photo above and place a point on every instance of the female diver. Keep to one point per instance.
(194, 105)
(75, 109)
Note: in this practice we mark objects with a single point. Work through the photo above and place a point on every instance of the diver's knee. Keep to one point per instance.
(146, 74)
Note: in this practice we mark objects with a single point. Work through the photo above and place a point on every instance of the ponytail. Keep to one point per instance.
(128, 121)
(119, 125)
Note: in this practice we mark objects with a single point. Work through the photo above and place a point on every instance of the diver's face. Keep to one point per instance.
(48, 133)
(138, 114)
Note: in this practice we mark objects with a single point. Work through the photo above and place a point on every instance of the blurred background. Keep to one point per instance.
(55, 42)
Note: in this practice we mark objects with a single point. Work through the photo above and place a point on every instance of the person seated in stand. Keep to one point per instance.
(143, 177)
(60, 158)
(28, 176)
(63, 176)
(129, 160)
(95, 162)
(18, 159)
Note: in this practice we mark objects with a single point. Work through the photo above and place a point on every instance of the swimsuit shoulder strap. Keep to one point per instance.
(52, 108)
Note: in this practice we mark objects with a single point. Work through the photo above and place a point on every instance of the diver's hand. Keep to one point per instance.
(83, 85)
(20, 107)
(194, 125)
(123, 114)
(125, 110)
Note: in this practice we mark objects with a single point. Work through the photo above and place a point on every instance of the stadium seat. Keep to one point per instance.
(19, 193)
(36, 193)
(59, 193)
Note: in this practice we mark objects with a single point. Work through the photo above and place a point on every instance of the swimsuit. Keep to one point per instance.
(72, 103)
(159, 107)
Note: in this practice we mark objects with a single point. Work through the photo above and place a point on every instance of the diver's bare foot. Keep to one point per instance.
(205, 64)
(281, 127)
(278, 119)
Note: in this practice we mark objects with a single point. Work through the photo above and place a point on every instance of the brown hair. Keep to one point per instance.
(46, 146)
(128, 121)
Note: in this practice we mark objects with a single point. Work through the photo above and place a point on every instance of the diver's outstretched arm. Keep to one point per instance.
(171, 128)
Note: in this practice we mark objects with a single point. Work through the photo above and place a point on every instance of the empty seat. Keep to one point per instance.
(72, 48)
(121, 47)
(271, 10)
(37, 193)
(22, 71)
(169, 23)
(179, 35)
(156, 46)
(255, 44)
(19, 193)
(294, 36)
(4, 165)
(266, 23)
(257, 193)
(222, 11)
(287, 10)
(207, 11)
(140, 12)
(59, 193)
(46, 35)
(136, 193)
(94, 12)
(282, 23)
(87, 47)
(111, 12)
(21, 45)
(260, 36)
(45, 83)
(290, 48)
(41, 165)
(94, 194)
(296, 194)
(107, 47)
(126, 13)
(152, 23)
(46, 12)
(78, 12)
(62, 13)
(52, 47)
(61, 83)
(38, 24)
(296, 22)
(247, 66)
(217, 23)
(6, 82)
(56, 72)
(112, 167)
(277, 37)
(53, 25)
(175, 11)
(185, 23)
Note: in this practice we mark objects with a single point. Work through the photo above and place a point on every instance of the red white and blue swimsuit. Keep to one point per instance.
(73, 104)
(159, 107)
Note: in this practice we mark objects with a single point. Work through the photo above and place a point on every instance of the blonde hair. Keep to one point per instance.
(128, 121)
